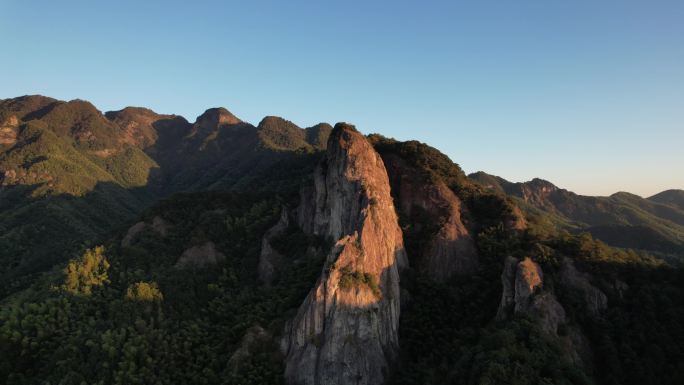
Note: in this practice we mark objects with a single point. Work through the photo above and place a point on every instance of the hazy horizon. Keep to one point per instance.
(588, 96)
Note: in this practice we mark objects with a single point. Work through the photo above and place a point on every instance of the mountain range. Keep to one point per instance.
(654, 224)
(141, 248)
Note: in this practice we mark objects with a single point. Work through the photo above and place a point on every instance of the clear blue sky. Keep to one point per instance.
(587, 94)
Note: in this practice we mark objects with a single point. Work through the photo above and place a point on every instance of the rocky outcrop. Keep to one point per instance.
(433, 208)
(8, 130)
(269, 258)
(537, 192)
(523, 293)
(159, 226)
(200, 256)
(346, 331)
(132, 233)
(254, 339)
(24, 176)
(516, 220)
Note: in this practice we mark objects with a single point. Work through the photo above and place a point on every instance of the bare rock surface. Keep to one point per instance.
(159, 225)
(254, 338)
(200, 256)
(516, 220)
(269, 258)
(346, 331)
(8, 131)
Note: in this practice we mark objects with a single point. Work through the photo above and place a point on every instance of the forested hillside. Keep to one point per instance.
(70, 175)
(139, 248)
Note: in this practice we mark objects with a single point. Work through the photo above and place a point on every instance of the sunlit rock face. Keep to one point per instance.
(346, 331)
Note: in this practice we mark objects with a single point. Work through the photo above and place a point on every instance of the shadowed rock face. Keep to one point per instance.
(269, 258)
(451, 249)
(200, 256)
(595, 300)
(158, 225)
(346, 331)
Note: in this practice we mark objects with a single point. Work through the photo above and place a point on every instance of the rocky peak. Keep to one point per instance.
(346, 331)
(217, 116)
(209, 123)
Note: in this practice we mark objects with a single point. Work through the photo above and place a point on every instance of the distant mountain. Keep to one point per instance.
(670, 197)
(654, 224)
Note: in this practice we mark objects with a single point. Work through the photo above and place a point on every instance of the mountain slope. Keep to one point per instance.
(670, 197)
(622, 220)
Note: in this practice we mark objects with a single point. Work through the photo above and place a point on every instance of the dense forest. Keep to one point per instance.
(130, 316)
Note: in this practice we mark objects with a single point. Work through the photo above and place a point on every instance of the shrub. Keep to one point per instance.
(350, 279)
(89, 270)
(144, 292)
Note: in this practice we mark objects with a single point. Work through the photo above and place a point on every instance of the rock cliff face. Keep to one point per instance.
(427, 203)
(269, 258)
(200, 256)
(345, 332)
